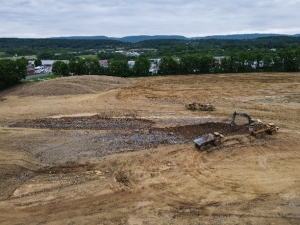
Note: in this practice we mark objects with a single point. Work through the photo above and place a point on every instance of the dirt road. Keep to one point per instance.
(106, 150)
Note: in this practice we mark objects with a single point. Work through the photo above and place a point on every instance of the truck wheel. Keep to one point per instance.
(217, 143)
(202, 148)
(258, 135)
(207, 146)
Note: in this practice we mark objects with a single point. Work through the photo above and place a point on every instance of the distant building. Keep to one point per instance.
(256, 64)
(131, 64)
(49, 63)
(154, 66)
(30, 71)
(136, 54)
(103, 63)
(30, 68)
(218, 60)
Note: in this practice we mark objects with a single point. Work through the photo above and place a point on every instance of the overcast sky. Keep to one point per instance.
(117, 18)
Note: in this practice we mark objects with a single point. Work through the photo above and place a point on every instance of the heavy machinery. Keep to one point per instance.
(258, 130)
(256, 126)
(206, 107)
(200, 106)
(250, 120)
(191, 106)
(207, 140)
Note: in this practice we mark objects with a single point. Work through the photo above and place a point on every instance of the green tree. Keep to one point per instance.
(119, 68)
(38, 62)
(291, 61)
(87, 66)
(228, 65)
(141, 66)
(21, 67)
(278, 64)
(268, 63)
(93, 67)
(73, 67)
(168, 66)
(244, 61)
(12, 71)
(206, 64)
(189, 64)
(60, 68)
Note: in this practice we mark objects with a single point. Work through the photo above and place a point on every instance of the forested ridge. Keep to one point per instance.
(49, 43)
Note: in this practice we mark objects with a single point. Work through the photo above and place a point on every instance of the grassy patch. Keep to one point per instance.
(41, 78)
(29, 57)
(88, 56)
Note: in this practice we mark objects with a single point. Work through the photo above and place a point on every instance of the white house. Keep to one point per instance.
(131, 64)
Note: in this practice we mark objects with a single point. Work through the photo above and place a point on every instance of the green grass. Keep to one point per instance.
(29, 57)
(42, 78)
(88, 56)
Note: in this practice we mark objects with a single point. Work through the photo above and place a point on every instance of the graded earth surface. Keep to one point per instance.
(107, 150)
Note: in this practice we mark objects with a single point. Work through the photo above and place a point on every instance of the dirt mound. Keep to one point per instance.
(192, 131)
(71, 86)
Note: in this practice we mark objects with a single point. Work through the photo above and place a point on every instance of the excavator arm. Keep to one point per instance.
(240, 114)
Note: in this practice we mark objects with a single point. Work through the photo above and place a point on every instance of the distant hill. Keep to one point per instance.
(138, 38)
(84, 37)
(143, 41)
(239, 36)
(132, 39)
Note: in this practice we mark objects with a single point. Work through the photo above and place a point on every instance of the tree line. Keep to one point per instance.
(91, 66)
(12, 71)
(282, 61)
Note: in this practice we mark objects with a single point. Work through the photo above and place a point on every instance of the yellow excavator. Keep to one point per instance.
(256, 126)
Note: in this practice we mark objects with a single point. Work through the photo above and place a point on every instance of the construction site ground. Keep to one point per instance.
(108, 150)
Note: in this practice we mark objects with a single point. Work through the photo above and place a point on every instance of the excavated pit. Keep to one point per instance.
(95, 136)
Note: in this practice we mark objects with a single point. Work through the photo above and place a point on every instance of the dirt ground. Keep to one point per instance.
(107, 150)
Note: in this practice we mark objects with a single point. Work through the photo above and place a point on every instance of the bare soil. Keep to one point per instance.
(107, 150)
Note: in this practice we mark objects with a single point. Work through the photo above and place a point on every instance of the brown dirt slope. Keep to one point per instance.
(85, 84)
(106, 150)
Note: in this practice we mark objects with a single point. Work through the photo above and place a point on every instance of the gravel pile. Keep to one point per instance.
(91, 122)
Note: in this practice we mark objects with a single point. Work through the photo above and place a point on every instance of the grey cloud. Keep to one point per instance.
(33, 18)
